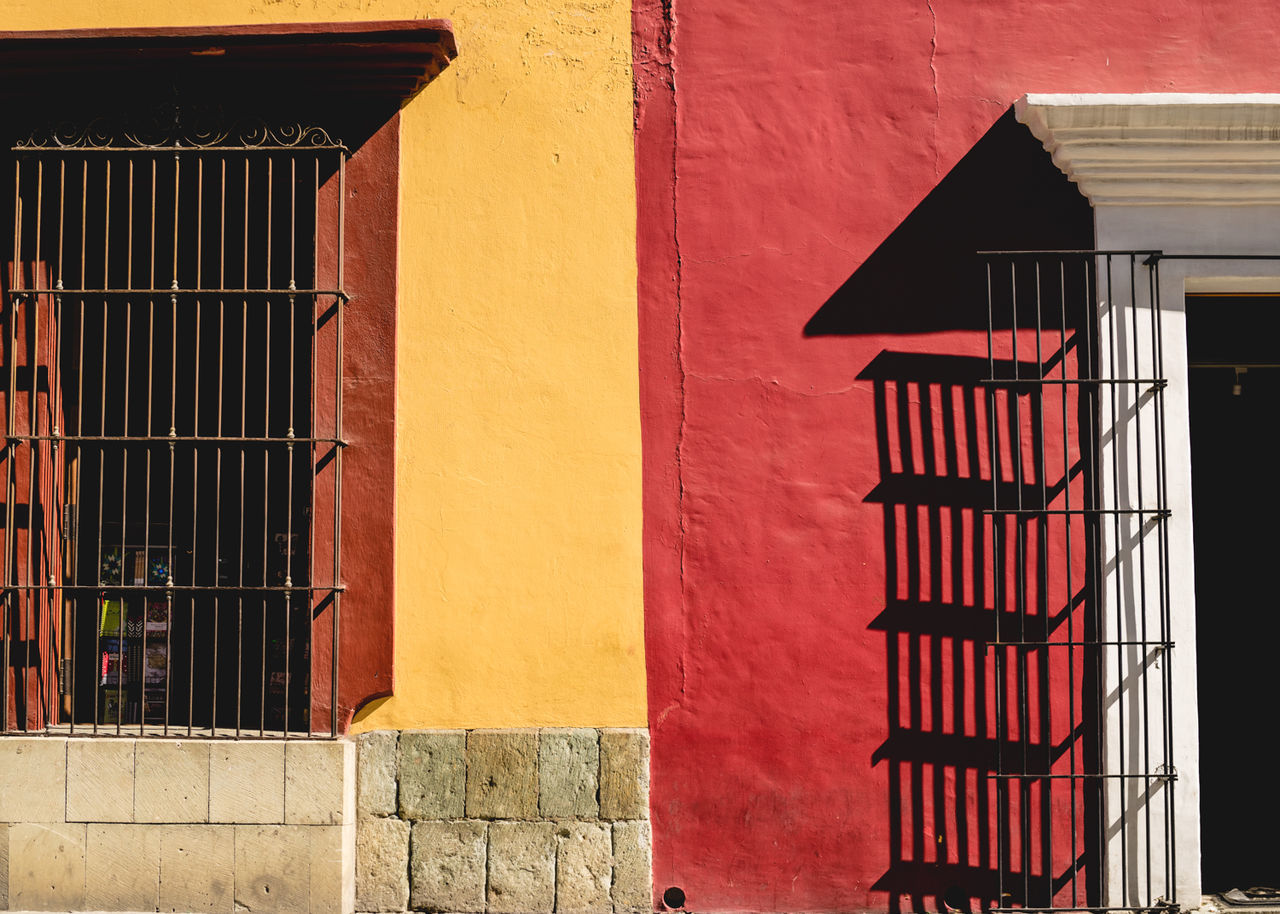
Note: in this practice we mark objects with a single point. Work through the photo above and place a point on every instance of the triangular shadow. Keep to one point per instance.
(1005, 194)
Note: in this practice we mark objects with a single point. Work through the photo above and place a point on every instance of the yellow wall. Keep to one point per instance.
(518, 461)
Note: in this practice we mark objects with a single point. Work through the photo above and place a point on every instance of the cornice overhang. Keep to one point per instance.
(380, 63)
(1162, 148)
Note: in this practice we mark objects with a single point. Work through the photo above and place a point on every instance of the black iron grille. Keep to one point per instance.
(172, 320)
(1083, 776)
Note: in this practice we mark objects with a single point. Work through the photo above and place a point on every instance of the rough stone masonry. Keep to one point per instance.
(503, 821)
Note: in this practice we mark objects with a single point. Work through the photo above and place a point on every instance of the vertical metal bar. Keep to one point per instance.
(11, 304)
(1092, 499)
(173, 433)
(195, 447)
(217, 496)
(67, 646)
(124, 450)
(288, 539)
(1112, 379)
(337, 475)
(1136, 393)
(1042, 586)
(79, 599)
(244, 361)
(68, 617)
(1166, 625)
(1162, 543)
(148, 430)
(29, 594)
(1020, 604)
(1071, 636)
(312, 433)
(102, 406)
(266, 450)
(997, 561)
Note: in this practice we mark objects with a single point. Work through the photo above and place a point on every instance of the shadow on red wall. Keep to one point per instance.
(977, 683)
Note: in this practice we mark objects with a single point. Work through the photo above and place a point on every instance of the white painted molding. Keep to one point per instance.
(1162, 148)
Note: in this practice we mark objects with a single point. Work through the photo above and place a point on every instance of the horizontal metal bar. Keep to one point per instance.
(1083, 909)
(154, 731)
(1081, 777)
(1158, 512)
(168, 150)
(176, 439)
(1216, 256)
(1160, 383)
(178, 588)
(1065, 251)
(226, 293)
(1161, 644)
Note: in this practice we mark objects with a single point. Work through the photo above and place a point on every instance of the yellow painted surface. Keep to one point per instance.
(518, 458)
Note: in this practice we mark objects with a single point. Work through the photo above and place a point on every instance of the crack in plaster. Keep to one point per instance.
(933, 71)
(860, 386)
(669, 23)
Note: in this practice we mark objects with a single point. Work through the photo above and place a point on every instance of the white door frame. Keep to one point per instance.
(1182, 174)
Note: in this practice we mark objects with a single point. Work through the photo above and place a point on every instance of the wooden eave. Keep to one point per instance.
(382, 62)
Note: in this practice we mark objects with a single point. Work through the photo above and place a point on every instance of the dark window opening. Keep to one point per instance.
(173, 339)
(1234, 393)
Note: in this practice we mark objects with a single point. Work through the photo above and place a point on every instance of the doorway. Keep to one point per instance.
(1234, 357)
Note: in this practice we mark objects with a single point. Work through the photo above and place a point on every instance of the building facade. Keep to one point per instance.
(710, 457)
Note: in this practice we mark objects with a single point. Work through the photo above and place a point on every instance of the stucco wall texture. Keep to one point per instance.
(795, 141)
(518, 558)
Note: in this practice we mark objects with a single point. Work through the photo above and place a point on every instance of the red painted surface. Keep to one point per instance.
(789, 150)
(366, 621)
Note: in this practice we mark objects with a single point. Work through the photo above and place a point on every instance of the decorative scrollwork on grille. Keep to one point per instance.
(174, 127)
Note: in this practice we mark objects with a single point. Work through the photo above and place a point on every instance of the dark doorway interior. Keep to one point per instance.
(1234, 349)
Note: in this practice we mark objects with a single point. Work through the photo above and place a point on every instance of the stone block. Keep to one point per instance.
(584, 868)
(377, 772)
(568, 773)
(315, 774)
(173, 781)
(122, 867)
(197, 868)
(502, 774)
(632, 867)
(332, 887)
(4, 866)
(433, 774)
(33, 779)
(246, 782)
(522, 867)
(624, 774)
(382, 864)
(273, 868)
(46, 866)
(447, 871)
(100, 780)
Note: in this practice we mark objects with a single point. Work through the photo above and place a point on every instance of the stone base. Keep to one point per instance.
(121, 824)
(503, 821)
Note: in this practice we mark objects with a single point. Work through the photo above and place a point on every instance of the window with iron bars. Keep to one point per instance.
(172, 399)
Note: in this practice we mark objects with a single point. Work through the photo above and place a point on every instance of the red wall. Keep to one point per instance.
(797, 141)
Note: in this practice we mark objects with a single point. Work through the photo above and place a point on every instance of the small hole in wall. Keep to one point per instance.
(673, 898)
(954, 899)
